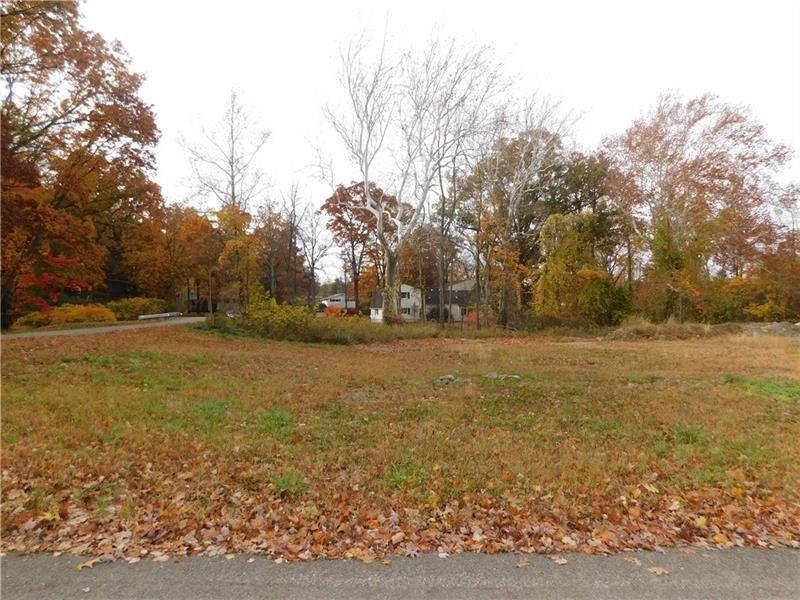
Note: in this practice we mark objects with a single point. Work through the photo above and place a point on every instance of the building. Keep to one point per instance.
(456, 301)
(339, 301)
(410, 304)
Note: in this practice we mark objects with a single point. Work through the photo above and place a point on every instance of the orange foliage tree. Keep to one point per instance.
(75, 148)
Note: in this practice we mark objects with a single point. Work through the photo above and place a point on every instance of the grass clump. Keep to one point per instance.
(291, 483)
(275, 421)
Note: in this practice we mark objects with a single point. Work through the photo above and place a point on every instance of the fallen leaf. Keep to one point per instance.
(700, 522)
(559, 560)
(658, 571)
(86, 590)
(721, 538)
(523, 563)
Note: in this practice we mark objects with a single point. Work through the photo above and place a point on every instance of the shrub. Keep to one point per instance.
(127, 309)
(433, 314)
(278, 321)
(334, 311)
(81, 313)
(34, 319)
(600, 300)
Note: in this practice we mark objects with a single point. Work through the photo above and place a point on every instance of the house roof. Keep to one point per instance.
(460, 297)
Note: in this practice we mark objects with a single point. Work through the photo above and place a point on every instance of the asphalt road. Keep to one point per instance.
(741, 573)
(104, 329)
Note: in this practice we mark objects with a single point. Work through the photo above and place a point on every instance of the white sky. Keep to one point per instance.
(608, 60)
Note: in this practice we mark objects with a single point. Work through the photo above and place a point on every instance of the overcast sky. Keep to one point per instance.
(606, 60)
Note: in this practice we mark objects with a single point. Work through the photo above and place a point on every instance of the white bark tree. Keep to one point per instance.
(409, 116)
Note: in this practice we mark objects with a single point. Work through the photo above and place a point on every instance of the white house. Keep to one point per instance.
(339, 301)
(410, 304)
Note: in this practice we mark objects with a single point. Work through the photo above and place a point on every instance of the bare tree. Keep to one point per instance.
(315, 245)
(223, 158)
(414, 114)
(293, 213)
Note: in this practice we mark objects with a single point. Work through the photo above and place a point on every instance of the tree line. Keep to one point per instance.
(451, 174)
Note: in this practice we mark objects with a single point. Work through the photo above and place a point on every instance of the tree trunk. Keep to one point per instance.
(6, 303)
(210, 299)
(440, 275)
(390, 309)
(477, 288)
(629, 265)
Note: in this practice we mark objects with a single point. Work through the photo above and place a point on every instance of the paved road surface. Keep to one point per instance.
(104, 329)
(743, 573)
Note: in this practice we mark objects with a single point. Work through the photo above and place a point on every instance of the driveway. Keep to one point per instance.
(104, 328)
(741, 573)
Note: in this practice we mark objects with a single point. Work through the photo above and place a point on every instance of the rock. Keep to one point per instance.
(501, 376)
(452, 380)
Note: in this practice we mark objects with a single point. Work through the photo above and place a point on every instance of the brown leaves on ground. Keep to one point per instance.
(364, 528)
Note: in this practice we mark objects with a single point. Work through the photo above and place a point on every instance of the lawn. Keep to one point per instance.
(174, 441)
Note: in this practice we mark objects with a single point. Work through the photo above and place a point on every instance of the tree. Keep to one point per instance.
(698, 175)
(156, 253)
(572, 281)
(76, 149)
(315, 246)
(204, 245)
(353, 227)
(416, 111)
(238, 260)
(224, 159)
(278, 254)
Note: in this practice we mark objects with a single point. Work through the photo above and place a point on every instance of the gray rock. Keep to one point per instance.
(501, 376)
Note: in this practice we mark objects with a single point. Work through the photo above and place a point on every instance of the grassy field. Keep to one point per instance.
(172, 441)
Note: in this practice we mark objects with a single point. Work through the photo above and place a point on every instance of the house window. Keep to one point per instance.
(405, 294)
(406, 311)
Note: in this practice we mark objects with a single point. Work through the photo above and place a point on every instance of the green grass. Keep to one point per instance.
(291, 482)
(275, 421)
(784, 391)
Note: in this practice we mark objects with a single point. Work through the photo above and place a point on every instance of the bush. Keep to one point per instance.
(81, 313)
(600, 301)
(278, 321)
(34, 319)
(128, 309)
(334, 311)
(433, 314)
